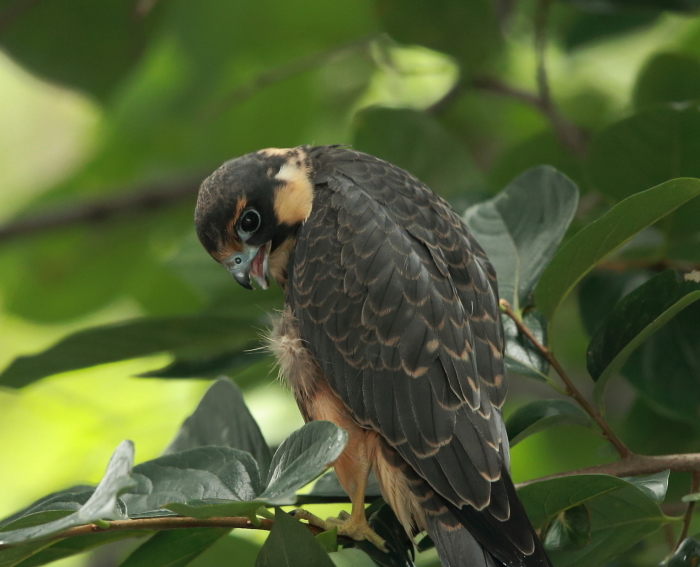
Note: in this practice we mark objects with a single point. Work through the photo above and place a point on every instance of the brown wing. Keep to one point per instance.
(399, 306)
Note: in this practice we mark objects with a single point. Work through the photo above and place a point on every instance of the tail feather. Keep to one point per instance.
(457, 547)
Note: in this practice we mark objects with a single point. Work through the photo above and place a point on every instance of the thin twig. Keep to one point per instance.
(634, 465)
(571, 390)
(284, 72)
(131, 202)
(167, 523)
(694, 487)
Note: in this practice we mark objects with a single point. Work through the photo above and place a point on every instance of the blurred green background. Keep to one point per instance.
(126, 98)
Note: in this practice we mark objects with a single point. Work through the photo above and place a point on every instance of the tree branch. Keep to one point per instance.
(571, 389)
(167, 523)
(634, 465)
(132, 202)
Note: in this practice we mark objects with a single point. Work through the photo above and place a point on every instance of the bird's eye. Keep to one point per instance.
(250, 221)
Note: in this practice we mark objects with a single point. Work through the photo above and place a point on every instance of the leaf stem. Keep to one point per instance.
(571, 389)
(688, 516)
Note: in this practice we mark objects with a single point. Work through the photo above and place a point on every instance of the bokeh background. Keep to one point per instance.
(131, 103)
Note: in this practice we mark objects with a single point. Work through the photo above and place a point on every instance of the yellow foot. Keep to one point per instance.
(354, 527)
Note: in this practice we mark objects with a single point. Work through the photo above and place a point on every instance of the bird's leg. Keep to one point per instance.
(352, 468)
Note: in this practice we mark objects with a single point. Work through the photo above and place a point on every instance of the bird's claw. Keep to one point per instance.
(354, 527)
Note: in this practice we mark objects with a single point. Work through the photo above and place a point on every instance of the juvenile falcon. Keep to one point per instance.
(390, 330)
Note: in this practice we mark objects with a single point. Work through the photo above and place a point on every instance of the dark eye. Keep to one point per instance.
(250, 221)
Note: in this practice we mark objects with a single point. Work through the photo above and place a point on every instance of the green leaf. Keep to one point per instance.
(543, 414)
(16, 555)
(521, 356)
(570, 530)
(208, 366)
(636, 317)
(195, 475)
(79, 43)
(301, 457)
(68, 500)
(290, 544)
(687, 554)
(130, 339)
(521, 227)
(653, 485)
(223, 419)
(666, 78)
(589, 27)
(418, 143)
(351, 558)
(469, 31)
(621, 512)
(220, 554)
(328, 489)
(328, 540)
(102, 505)
(71, 546)
(602, 237)
(174, 548)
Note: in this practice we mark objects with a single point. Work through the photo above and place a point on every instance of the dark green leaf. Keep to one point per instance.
(602, 237)
(467, 30)
(301, 457)
(653, 485)
(208, 366)
(69, 499)
(290, 544)
(131, 339)
(589, 27)
(328, 489)
(223, 419)
(16, 555)
(78, 42)
(521, 355)
(174, 548)
(102, 505)
(521, 228)
(636, 317)
(543, 414)
(667, 77)
(621, 512)
(569, 530)
(420, 144)
(687, 554)
(199, 474)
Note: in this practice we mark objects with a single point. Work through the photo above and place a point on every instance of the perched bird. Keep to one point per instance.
(390, 330)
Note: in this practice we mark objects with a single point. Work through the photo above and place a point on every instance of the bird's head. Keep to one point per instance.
(250, 209)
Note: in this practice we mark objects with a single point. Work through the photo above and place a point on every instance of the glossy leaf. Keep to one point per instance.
(667, 78)
(102, 505)
(223, 419)
(636, 317)
(419, 144)
(605, 235)
(130, 339)
(468, 31)
(328, 489)
(174, 548)
(569, 530)
(290, 544)
(220, 554)
(543, 414)
(328, 540)
(620, 511)
(687, 554)
(351, 558)
(521, 228)
(199, 474)
(521, 356)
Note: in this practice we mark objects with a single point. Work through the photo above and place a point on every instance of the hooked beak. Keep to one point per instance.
(252, 262)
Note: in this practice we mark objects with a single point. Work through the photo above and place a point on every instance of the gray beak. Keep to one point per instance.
(252, 262)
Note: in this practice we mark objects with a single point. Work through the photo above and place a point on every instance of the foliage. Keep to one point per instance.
(583, 190)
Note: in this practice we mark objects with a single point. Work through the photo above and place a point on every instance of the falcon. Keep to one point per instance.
(390, 329)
